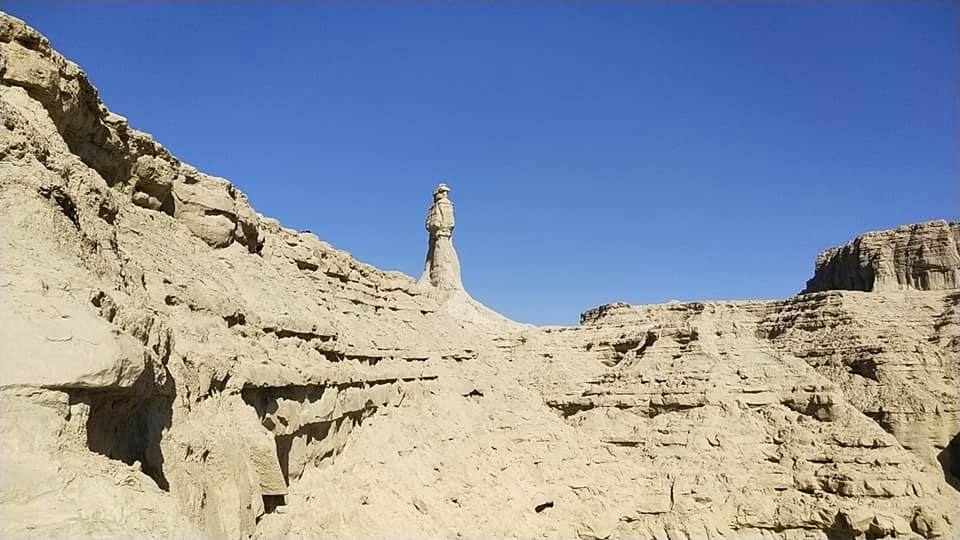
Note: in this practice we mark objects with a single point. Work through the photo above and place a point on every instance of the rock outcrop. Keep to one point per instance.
(173, 363)
(718, 414)
(441, 278)
(159, 312)
(442, 267)
(919, 257)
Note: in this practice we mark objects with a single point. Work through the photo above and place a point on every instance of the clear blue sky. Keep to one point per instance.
(639, 152)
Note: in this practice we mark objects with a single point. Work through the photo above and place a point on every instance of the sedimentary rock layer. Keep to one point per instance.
(922, 257)
(176, 364)
(149, 311)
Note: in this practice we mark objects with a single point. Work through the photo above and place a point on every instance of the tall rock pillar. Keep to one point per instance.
(442, 267)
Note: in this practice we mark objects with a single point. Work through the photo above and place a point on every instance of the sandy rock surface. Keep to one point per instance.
(922, 257)
(175, 364)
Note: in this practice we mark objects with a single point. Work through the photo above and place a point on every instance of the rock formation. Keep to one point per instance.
(441, 279)
(174, 364)
(922, 257)
(442, 268)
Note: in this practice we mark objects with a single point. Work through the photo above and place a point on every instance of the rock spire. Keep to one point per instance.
(442, 267)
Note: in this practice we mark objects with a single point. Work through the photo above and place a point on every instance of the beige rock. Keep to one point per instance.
(442, 268)
(922, 256)
(175, 364)
(53, 487)
(205, 205)
(49, 341)
(154, 181)
(29, 69)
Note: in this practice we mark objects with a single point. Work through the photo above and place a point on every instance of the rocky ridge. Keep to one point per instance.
(923, 256)
(176, 364)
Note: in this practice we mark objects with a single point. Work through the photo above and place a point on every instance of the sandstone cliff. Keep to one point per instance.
(922, 257)
(173, 363)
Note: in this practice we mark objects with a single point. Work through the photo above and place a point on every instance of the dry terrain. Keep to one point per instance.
(175, 364)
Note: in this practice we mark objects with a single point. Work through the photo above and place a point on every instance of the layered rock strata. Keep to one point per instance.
(156, 312)
(922, 257)
(173, 363)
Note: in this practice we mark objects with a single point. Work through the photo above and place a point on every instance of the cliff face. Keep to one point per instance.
(767, 408)
(892, 356)
(152, 316)
(175, 364)
(921, 257)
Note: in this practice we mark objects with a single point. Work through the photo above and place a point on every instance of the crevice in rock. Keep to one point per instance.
(64, 201)
(621, 442)
(342, 278)
(168, 205)
(637, 345)
(656, 409)
(569, 408)
(271, 502)
(215, 212)
(949, 459)
(127, 424)
(306, 265)
(234, 319)
(250, 237)
(311, 423)
(864, 367)
(304, 335)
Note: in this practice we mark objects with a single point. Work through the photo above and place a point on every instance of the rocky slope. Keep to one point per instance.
(176, 364)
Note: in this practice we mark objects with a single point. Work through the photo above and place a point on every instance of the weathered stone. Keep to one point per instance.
(156, 385)
(48, 340)
(154, 179)
(442, 268)
(29, 69)
(922, 257)
(204, 204)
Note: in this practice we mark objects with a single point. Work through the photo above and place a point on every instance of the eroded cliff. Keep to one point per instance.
(922, 257)
(176, 364)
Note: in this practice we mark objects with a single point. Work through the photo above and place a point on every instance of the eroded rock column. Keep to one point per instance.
(442, 267)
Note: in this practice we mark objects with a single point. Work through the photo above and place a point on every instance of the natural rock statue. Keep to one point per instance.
(441, 270)
(442, 267)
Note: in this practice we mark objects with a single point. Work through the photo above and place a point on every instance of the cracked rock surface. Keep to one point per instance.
(175, 364)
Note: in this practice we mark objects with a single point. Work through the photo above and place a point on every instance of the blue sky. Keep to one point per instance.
(597, 152)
